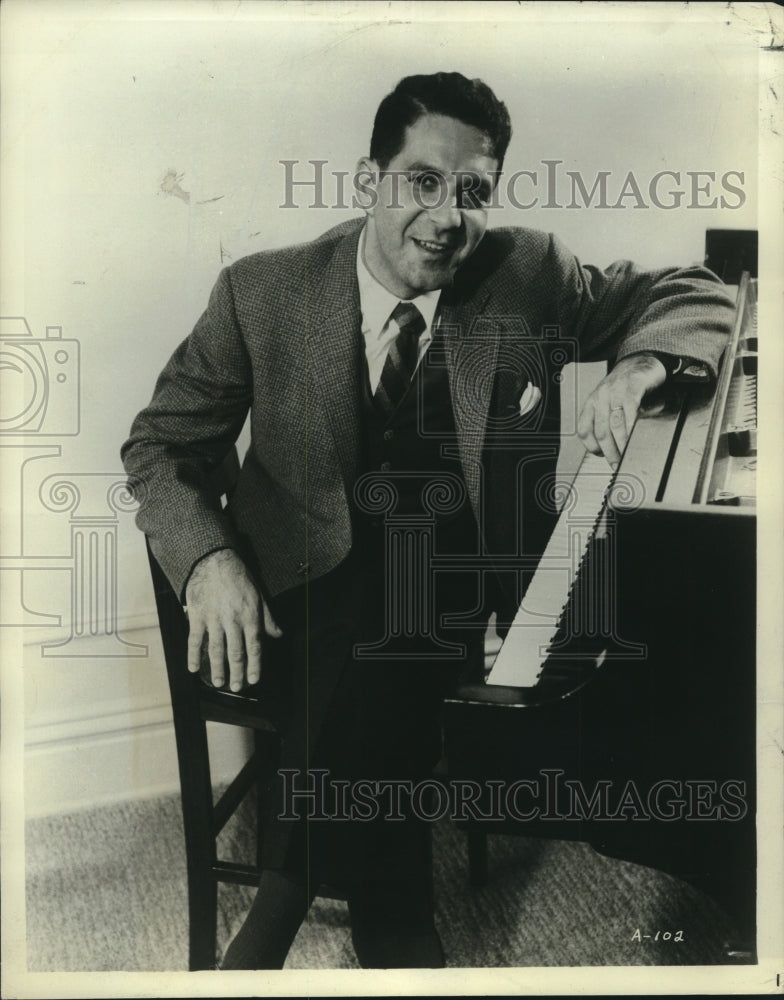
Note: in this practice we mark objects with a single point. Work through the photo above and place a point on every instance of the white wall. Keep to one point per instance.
(104, 102)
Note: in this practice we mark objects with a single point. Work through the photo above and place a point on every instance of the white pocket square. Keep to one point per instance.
(529, 399)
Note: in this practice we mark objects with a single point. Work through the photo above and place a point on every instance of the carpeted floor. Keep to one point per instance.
(106, 891)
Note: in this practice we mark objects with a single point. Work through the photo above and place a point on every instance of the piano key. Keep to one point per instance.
(525, 649)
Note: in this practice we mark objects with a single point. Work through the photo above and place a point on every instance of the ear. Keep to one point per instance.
(366, 179)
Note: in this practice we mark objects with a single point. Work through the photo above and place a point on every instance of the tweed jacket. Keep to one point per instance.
(280, 336)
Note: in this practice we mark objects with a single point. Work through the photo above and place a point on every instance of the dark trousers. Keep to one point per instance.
(360, 718)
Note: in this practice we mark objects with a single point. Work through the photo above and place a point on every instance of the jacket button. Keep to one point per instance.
(388, 435)
(302, 568)
(386, 466)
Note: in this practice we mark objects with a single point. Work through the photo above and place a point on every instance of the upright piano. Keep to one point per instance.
(620, 709)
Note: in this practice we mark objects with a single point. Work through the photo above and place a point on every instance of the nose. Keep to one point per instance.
(446, 215)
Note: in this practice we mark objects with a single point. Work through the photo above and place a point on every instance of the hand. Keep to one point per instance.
(224, 604)
(609, 413)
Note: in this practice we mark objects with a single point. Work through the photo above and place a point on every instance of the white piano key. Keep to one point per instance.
(524, 651)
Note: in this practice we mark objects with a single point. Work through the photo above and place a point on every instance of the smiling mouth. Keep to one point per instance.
(434, 248)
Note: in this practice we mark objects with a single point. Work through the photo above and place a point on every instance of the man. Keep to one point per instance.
(378, 362)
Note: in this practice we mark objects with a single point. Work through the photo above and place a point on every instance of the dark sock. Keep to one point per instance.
(272, 922)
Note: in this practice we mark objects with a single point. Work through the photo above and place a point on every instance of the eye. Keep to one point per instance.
(428, 182)
(429, 189)
(472, 191)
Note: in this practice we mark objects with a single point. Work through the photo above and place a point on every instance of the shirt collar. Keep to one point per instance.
(377, 303)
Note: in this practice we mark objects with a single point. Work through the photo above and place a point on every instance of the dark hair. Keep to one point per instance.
(470, 101)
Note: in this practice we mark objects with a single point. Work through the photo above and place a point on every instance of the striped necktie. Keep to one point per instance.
(401, 361)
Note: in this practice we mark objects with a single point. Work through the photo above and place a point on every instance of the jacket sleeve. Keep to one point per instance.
(618, 311)
(197, 411)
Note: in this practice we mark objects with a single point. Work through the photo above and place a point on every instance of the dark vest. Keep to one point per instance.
(412, 516)
(414, 454)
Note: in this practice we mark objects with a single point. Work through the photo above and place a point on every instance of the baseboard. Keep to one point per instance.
(83, 763)
(124, 625)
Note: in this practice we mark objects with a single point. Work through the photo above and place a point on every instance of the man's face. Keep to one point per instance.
(430, 208)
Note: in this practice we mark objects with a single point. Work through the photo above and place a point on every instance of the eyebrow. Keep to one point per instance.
(421, 167)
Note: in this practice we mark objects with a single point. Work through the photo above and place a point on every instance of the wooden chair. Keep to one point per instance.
(195, 702)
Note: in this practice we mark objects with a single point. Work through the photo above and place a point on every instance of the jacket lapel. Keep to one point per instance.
(334, 342)
(471, 344)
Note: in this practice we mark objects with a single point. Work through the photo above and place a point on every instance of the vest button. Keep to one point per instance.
(386, 466)
(388, 435)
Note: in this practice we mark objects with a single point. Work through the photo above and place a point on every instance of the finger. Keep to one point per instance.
(195, 639)
(604, 436)
(591, 444)
(235, 652)
(585, 430)
(619, 428)
(631, 409)
(525, 399)
(216, 649)
(253, 654)
(270, 625)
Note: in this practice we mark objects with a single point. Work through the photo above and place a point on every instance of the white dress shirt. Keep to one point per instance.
(378, 327)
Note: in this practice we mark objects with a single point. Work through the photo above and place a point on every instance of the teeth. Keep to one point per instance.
(432, 246)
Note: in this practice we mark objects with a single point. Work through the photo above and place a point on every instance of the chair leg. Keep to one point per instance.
(267, 751)
(202, 921)
(196, 793)
(477, 857)
(261, 794)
